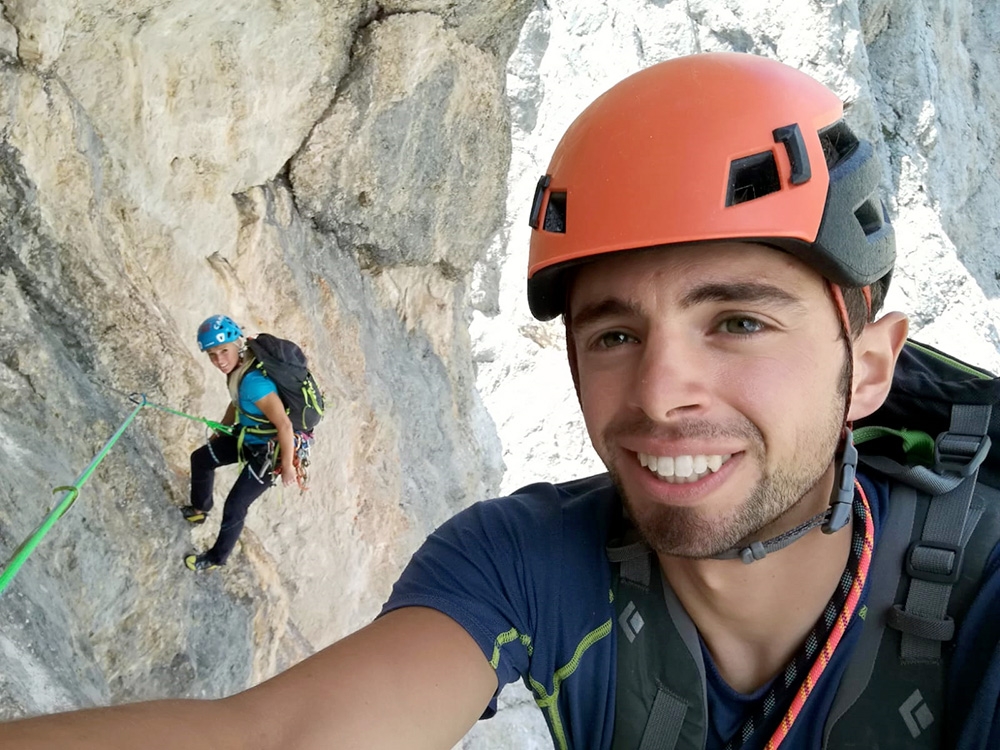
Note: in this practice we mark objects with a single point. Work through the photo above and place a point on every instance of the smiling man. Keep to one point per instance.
(713, 401)
(711, 233)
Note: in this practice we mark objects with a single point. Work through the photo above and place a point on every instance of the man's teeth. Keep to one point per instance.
(683, 469)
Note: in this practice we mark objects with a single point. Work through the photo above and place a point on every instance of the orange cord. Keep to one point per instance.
(839, 628)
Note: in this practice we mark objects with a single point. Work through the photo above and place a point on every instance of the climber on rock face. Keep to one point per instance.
(253, 394)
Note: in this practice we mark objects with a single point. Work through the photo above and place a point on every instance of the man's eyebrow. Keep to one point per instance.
(595, 312)
(741, 291)
(737, 291)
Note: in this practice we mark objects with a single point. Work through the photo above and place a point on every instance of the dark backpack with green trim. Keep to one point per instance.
(926, 386)
(285, 364)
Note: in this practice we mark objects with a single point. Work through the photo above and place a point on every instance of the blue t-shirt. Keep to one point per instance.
(253, 387)
(528, 578)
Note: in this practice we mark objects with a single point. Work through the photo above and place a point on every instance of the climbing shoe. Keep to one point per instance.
(198, 563)
(192, 515)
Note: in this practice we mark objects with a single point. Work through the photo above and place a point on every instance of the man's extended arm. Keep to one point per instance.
(413, 679)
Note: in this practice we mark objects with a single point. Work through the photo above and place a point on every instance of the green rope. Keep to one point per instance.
(217, 426)
(73, 491)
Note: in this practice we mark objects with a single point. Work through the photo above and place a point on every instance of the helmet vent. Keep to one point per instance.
(752, 177)
(869, 216)
(555, 214)
(838, 142)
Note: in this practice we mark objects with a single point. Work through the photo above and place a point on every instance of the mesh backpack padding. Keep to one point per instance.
(285, 364)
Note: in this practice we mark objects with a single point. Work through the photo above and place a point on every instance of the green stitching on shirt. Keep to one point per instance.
(550, 703)
(508, 637)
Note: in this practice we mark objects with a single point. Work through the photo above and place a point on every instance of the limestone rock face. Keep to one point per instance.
(147, 180)
(357, 177)
(429, 197)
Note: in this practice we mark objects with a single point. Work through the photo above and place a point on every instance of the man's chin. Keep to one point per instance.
(687, 532)
(673, 531)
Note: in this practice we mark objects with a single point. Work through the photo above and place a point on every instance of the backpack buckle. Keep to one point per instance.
(960, 454)
(932, 570)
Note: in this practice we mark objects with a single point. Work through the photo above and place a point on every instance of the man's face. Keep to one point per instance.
(225, 357)
(709, 379)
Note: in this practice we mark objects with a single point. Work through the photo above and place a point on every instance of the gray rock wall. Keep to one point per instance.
(357, 176)
(297, 166)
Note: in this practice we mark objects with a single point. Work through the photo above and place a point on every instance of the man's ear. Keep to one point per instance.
(875, 353)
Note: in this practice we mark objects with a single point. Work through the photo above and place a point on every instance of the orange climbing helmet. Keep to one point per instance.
(710, 147)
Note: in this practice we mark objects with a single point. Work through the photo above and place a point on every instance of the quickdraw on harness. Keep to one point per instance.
(303, 444)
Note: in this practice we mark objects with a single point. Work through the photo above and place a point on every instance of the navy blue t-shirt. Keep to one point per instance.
(528, 578)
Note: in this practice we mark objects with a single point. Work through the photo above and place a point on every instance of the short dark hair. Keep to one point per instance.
(858, 313)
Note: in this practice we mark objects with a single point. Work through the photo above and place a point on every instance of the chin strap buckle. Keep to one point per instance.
(842, 497)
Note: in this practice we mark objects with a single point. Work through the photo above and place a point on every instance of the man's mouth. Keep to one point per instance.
(683, 469)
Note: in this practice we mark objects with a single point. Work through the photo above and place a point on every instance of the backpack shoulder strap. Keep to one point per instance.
(934, 561)
(660, 699)
(927, 569)
(909, 709)
(883, 583)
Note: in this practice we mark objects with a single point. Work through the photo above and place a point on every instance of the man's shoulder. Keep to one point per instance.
(586, 492)
(542, 520)
(591, 502)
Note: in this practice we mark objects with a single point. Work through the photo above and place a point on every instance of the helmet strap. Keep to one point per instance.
(834, 518)
(759, 550)
(846, 459)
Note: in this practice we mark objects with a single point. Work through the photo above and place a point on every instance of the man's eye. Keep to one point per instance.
(742, 326)
(612, 339)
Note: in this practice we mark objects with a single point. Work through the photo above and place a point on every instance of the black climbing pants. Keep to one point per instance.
(255, 478)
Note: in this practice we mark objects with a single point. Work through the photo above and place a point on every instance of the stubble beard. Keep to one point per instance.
(688, 532)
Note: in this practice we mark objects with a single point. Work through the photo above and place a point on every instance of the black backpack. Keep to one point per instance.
(284, 363)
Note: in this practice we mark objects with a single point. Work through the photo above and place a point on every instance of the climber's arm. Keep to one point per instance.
(272, 408)
(413, 679)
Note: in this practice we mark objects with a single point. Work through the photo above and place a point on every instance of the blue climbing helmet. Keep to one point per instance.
(216, 331)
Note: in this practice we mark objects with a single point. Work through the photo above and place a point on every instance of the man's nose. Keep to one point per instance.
(671, 378)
